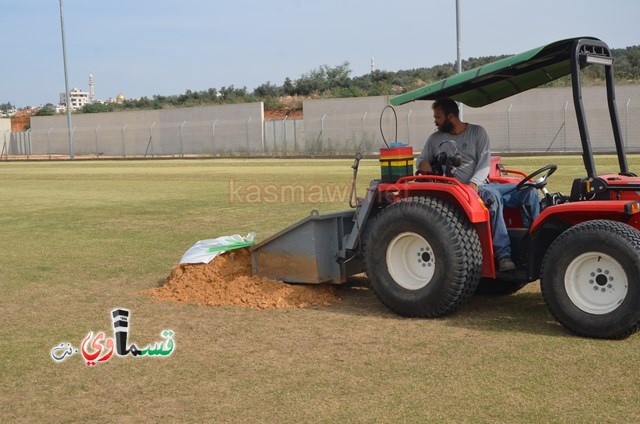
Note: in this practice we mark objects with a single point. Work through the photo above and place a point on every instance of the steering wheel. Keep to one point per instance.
(540, 182)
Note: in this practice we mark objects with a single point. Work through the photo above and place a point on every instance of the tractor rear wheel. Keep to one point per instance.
(423, 257)
(498, 287)
(590, 279)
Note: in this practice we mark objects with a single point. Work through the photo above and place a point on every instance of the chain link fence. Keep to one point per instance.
(200, 138)
(285, 137)
(538, 121)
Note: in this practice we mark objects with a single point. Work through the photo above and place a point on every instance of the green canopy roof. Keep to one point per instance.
(500, 79)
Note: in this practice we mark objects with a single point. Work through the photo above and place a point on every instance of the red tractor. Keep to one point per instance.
(425, 240)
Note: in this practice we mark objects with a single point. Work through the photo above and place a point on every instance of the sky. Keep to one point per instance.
(147, 47)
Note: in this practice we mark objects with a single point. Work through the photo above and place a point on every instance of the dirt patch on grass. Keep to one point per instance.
(227, 280)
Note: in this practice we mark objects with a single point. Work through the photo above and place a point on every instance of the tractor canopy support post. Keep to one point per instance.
(587, 153)
(615, 122)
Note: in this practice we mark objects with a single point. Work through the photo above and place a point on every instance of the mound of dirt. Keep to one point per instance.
(227, 280)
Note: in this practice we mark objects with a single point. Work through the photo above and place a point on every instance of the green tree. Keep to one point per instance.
(289, 87)
(336, 81)
(6, 107)
(322, 79)
(268, 90)
(46, 110)
(235, 95)
(97, 108)
(627, 62)
(338, 76)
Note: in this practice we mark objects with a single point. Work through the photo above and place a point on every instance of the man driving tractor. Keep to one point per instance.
(467, 145)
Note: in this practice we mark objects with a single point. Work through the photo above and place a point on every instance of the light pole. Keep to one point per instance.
(66, 84)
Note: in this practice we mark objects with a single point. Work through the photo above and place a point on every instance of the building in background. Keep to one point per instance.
(120, 98)
(77, 99)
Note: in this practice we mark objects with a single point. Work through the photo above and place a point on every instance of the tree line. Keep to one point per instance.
(6, 107)
(336, 81)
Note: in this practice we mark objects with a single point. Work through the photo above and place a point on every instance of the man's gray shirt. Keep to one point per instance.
(473, 146)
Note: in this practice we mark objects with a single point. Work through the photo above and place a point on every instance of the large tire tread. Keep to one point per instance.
(464, 241)
(549, 269)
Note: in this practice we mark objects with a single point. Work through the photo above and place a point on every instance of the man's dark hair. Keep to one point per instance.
(448, 106)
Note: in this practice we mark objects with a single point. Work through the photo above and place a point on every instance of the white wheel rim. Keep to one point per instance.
(596, 283)
(410, 261)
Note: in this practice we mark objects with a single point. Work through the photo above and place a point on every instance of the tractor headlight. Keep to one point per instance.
(600, 60)
(632, 208)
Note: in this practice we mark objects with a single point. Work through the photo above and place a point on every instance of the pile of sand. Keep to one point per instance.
(227, 280)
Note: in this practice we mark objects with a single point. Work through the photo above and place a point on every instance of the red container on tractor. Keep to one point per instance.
(396, 162)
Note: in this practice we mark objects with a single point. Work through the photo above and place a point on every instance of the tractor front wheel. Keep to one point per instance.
(590, 279)
(423, 257)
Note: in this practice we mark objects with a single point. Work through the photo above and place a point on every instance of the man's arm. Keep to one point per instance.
(423, 162)
(483, 157)
(425, 167)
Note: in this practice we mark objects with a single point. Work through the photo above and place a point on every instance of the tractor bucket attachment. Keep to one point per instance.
(310, 251)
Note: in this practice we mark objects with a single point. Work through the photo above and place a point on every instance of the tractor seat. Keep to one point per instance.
(496, 170)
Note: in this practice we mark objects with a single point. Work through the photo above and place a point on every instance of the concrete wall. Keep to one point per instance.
(5, 124)
(5, 132)
(534, 121)
(197, 130)
(354, 123)
(531, 121)
(537, 116)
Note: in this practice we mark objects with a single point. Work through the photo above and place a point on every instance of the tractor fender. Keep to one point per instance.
(554, 220)
(577, 212)
(458, 195)
(451, 190)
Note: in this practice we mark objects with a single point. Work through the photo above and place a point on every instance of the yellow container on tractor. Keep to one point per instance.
(396, 161)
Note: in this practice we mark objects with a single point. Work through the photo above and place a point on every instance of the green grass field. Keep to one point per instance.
(79, 239)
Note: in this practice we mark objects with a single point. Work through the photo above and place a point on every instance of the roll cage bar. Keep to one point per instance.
(506, 77)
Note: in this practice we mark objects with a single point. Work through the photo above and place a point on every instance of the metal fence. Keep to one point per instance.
(284, 137)
(199, 131)
(188, 138)
(541, 120)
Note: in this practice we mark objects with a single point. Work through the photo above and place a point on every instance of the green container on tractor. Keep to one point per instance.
(425, 242)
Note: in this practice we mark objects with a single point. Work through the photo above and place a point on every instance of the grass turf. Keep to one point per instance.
(78, 239)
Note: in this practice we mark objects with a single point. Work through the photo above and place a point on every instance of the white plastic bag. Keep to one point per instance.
(205, 250)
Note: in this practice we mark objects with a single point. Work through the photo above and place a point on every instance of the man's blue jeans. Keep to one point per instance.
(506, 195)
